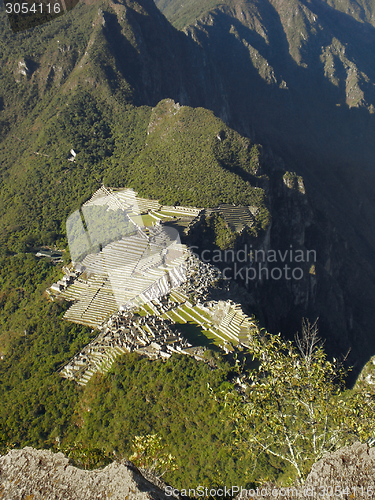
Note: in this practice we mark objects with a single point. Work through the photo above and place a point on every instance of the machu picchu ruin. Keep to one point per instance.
(124, 332)
(139, 286)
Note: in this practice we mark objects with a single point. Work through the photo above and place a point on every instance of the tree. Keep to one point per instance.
(296, 407)
(149, 454)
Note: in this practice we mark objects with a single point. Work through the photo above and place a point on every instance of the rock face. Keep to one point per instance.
(345, 474)
(41, 474)
(351, 470)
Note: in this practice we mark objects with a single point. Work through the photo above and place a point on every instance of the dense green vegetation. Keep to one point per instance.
(141, 397)
(72, 97)
(216, 232)
(82, 104)
(296, 407)
(182, 163)
(34, 342)
(138, 397)
(169, 167)
(213, 443)
(180, 15)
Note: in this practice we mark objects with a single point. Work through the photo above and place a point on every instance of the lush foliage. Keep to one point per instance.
(184, 161)
(149, 454)
(34, 342)
(84, 457)
(74, 96)
(216, 231)
(296, 408)
(290, 396)
(141, 397)
(179, 165)
(181, 15)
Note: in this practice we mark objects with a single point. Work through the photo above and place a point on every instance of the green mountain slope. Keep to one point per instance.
(298, 75)
(182, 14)
(362, 10)
(79, 93)
(74, 95)
(187, 162)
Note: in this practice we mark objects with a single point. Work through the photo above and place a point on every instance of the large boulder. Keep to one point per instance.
(346, 474)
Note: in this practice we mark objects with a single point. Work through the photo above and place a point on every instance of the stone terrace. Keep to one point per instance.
(124, 332)
(149, 331)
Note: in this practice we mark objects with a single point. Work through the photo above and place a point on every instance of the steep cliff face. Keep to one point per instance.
(157, 60)
(127, 48)
(298, 77)
(327, 287)
(301, 266)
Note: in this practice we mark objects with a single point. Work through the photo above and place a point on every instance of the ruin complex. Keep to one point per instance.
(133, 281)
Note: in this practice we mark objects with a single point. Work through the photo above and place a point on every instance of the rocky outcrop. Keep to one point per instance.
(292, 82)
(349, 471)
(41, 474)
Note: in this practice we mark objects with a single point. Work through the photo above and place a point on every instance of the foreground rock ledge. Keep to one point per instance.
(40, 474)
(351, 468)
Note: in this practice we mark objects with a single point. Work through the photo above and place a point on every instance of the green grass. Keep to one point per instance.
(203, 313)
(181, 14)
(141, 312)
(193, 332)
(192, 312)
(147, 220)
(225, 337)
(148, 309)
